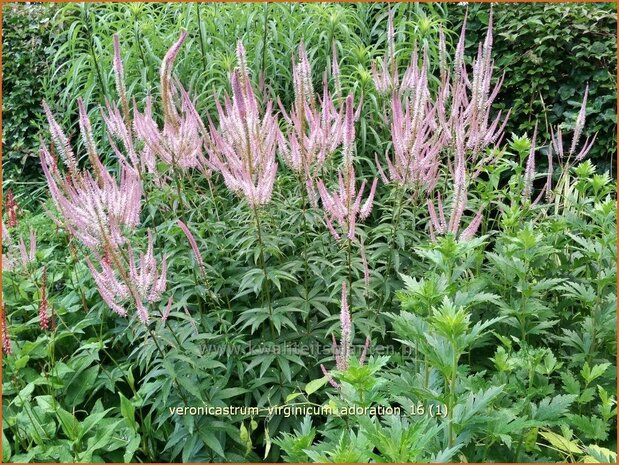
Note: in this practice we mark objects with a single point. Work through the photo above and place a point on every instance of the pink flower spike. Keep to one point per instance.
(6, 340)
(166, 312)
(332, 382)
(61, 141)
(43, 317)
(472, 228)
(193, 244)
(365, 351)
(529, 172)
(580, 122)
(366, 209)
(349, 132)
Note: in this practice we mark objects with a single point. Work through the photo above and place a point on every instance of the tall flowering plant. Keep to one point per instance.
(243, 149)
(180, 142)
(141, 283)
(101, 211)
(345, 206)
(568, 157)
(438, 224)
(464, 103)
(342, 351)
(314, 125)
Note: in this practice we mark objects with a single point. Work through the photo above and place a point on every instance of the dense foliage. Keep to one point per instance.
(549, 51)
(298, 226)
(26, 49)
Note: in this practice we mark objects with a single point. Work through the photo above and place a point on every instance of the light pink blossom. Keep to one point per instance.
(243, 148)
(142, 283)
(343, 206)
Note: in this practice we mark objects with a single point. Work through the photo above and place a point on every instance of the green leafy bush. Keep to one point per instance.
(26, 48)
(549, 51)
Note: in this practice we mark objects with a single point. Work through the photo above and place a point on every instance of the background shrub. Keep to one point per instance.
(550, 52)
(26, 39)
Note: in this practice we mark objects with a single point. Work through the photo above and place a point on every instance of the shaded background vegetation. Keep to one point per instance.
(549, 52)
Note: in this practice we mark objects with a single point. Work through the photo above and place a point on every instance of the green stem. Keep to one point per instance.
(452, 395)
(305, 259)
(265, 284)
(349, 253)
(395, 222)
(103, 89)
(264, 37)
(201, 37)
(210, 186)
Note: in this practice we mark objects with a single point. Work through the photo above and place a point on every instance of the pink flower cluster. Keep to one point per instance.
(180, 143)
(99, 210)
(557, 139)
(458, 118)
(438, 223)
(416, 145)
(141, 283)
(95, 209)
(344, 205)
(315, 127)
(464, 103)
(243, 148)
(18, 254)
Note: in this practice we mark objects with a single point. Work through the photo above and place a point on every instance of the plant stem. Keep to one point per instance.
(264, 37)
(103, 90)
(305, 260)
(210, 186)
(265, 283)
(452, 394)
(395, 221)
(349, 253)
(201, 37)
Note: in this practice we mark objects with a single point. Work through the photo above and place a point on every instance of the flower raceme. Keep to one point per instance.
(557, 139)
(194, 246)
(43, 303)
(243, 148)
(315, 128)
(342, 352)
(464, 103)
(18, 254)
(95, 210)
(11, 208)
(141, 284)
(386, 79)
(6, 339)
(343, 206)
(438, 223)
(416, 144)
(180, 143)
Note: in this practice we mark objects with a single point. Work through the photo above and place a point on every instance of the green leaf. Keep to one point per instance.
(292, 396)
(127, 410)
(77, 390)
(561, 443)
(209, 438)
(315, 384)
(6, 449)
(69, 424)
(551, 409)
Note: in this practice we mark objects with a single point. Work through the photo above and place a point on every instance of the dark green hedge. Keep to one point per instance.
(549, 52)
(26, 38)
